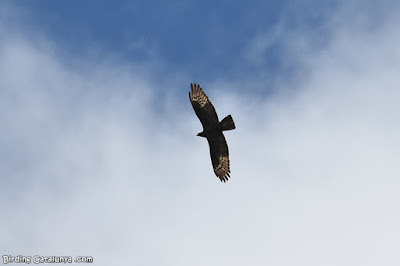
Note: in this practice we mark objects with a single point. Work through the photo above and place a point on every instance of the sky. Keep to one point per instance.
(98, 150)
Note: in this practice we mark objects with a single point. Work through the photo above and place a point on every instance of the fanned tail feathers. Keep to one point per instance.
(227, 123)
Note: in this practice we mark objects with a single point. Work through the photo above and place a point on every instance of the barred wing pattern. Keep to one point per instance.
(212, 130)
(202, 106)
(220, 157)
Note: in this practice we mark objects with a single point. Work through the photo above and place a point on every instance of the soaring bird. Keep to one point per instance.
(212, 130)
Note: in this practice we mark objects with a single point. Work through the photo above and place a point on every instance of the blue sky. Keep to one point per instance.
(201, 39)
(189, 35)
(98, 148)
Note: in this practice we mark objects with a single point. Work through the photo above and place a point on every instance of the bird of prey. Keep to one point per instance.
(212, 130)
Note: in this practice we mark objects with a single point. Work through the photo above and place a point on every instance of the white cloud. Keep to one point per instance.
(92, 168)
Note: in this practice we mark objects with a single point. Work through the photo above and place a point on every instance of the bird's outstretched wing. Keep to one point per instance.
(202, 106)
(220, 157)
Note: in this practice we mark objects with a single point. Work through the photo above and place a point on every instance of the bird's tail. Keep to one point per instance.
(227, 123)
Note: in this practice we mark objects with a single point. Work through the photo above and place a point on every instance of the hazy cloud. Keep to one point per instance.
(91, 166)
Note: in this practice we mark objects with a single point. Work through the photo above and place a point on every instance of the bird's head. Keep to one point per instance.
(201, 134)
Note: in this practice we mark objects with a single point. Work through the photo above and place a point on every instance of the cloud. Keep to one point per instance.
(92, 167)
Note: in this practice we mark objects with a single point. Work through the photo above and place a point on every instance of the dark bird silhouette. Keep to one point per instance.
(212, 130)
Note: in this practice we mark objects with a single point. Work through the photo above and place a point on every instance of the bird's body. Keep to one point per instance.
(212, 130)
